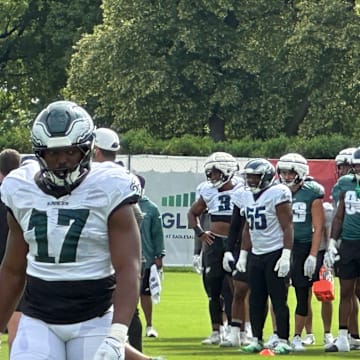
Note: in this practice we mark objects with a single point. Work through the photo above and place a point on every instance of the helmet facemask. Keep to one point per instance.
(64, 176)
(221, 180)
(264, 169)
(225, 164)
(296, 163)
(255, 189)
(291, 184)
(343, 160)
(63, 125)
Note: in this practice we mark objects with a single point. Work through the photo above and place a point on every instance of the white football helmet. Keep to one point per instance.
(343, 161)
(355, 159)
(344, 156)
(223, 162)
(293, 162)
(63, 124)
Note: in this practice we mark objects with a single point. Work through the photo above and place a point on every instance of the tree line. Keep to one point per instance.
(223, 69)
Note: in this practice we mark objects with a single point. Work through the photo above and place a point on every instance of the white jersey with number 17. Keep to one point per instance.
(67, 236)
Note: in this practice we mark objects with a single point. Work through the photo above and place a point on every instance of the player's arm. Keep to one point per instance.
(12, 271)
(245, 248)
(157, 235)
(125, 245)
(336, 225)
(193, 215)
(318, 223)
(197, 208)
(246, 240)
(236, 228)
(284, 215)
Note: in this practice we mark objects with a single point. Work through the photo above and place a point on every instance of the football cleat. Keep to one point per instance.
(282, 347)
(354, 343)
(341, 344)
(309, 339)
(213, 339)
(328, 338)
(232, 339)
(296, 343)
(151, 332)
(253, 348)
(272, 341)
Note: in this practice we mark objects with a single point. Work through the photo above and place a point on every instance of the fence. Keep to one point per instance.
(171, 182)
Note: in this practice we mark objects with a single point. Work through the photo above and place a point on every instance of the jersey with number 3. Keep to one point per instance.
(265, 230)
(219, 202)
(67, 236)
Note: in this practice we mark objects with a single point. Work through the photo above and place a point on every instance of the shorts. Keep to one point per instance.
(213, 257)
(299, 254)
(240, 276)
(145, 283)
(36, 339)
(348, 267)
(319, 264)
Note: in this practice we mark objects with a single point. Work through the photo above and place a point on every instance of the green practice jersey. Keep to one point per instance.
(348, 185)
(301, 205)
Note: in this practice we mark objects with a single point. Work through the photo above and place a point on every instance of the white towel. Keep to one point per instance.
(155, 284)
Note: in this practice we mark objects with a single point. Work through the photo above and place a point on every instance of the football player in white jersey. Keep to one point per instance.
(240, 330)
(74, 241)
(265, 250)
(215, 196)
(107, 144)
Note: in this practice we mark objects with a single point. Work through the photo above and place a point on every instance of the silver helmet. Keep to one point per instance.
(63, 124)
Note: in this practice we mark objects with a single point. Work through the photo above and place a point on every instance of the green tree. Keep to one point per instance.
(171, 68)
(226, 68)
(323, 65)
(36, 38)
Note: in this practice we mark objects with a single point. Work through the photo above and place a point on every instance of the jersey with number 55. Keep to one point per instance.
(265, 230)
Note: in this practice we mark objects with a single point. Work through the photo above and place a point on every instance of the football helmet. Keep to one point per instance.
(261, 167)
(223, 162)
(63, 124)
(343, 161)
(355, 160)
(344, 156)
(293, 162)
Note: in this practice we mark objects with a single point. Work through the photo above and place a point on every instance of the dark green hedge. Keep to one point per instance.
(320, 147)
(141, 142)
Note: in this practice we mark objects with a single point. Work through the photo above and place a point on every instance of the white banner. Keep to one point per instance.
(171, 182)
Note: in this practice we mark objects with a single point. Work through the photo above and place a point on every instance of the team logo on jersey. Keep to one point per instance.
(135, 186)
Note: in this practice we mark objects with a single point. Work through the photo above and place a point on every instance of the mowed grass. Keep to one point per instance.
(182, 321)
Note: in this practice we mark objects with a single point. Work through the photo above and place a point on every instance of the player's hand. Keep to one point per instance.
(228, 261)
(310, 266)
(283, 264)
(331, 254)
(197, 264)
(207, 237)
(241, 263)
(110, 349)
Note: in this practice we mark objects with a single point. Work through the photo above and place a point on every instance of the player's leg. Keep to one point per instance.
(135, 331)
(12, 327)
(35, 341)
(146, 304)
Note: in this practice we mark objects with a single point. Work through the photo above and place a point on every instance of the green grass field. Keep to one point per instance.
(182, 321)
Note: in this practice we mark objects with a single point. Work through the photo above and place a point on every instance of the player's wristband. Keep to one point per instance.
(198, 230)
(119, 332)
